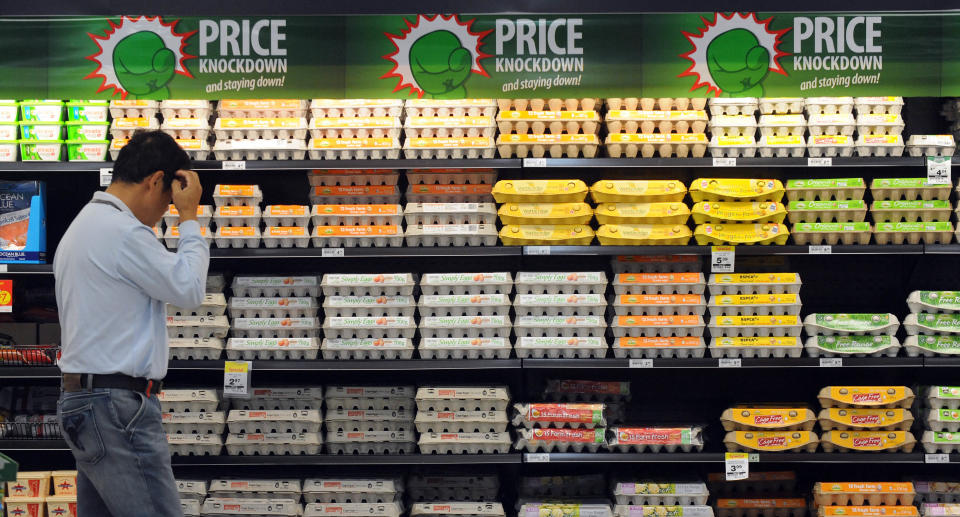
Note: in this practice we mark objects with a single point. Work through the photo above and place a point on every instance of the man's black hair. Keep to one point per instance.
(148, 152)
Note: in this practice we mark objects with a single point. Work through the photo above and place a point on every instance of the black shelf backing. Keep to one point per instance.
(29, 372)
(298, 253)
(712, 362)
(33, 445)
(712, 457)
(359, 365)
(757, 250)
(854, 161)
(349, 459)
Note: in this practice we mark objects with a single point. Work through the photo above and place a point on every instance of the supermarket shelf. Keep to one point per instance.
(366, 459)
(772, 362)
(398, 252)
(941, 362)
(26, 269)
(870, 249)
(711, 457)
(33, 445)
(277, 165)
(360, 365)
(941, 249)
(29, 372)
(854, 161)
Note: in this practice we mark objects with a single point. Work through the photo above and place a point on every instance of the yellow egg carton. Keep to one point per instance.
(644, 234)
(552, 122)
(663, 122)
(866, 396)
(771, 441)
(556, 146)
(760, 233)
(545, 213)
(637, 191)
(939, 232)
(863, 493)
(546, 235)
(865, 419)
(868, 441)
(750, 418)
(669, 212)
(738, 212)
(630, 145)
(736, 189)
(661, 103)
(540, 191)
(832, 233)
(588, 104)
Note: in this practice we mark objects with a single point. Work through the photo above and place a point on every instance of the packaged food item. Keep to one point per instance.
(661, 326)
(879, 145)
(462, 398)
(656, 439)
(658, 304)
(559, 326)
(754, 283)
(8, 110)
(943, 442)
(782, 124)
(560, 440)
(41, 110)
(771, 441)
(30, 484)
(658, 283)
(273, 444)
(929, 346)
(754, 305)
(733, 146)
(663, 122)
(650, 103)
(202, 422)
(835, 124)
(546, 235)
(632, 145)
(853, 346)
(830, 146)
(353, 148)
(388, 284)
(932, 324)
(364, 327)
(658, 213)
(832, 233)
(87, 151)
(197, 326)
(738, 212)
(259, 149)
(878, 106)
(181, 400)
(858, 419)
(25, 506)
(540, 191)
(358, 490)
(842, 324)
(452, 147)
(450, 213)
(355, 194)
(447, 176)
(281, 398)
(828, 105)
(782, 146)
(638, 191)
(556, 146)
(893, 189)
(274, 421)
(575, 416)
(466, 283)
(173, 109)
(465, 348)
(64, 482)
(451, 235)
(934, 301)
(554, 304)
(553, 122)
(732, 125)
(367, 348)
(8, 150)
(652, 347)
(464, 326)
(465, 509)
(451, 108)
(587, 104)
(134, 108)
(545, 213)
(273, 286)
(237, 237)
(768, 418)
(932, 494)
(751, 326)
(761, 507)
(590, 282)
(732, 106)
(275, 348)
(348, 108)
(195, 444)
(36, 130)
(464, 443)
(41, 150)
(736, 189)
(357, 236)
(643, 234)
(369, 306)
(868, 441)
(462, 422)
(741, 233)
(275, 327)
(866, 397)
(660, 494)
(237, 195)
(868, 511)
(879, 125)
(750, 347)
(942, 420)
(931, 145)
(124, 128)
(262, 108)
(354, 127)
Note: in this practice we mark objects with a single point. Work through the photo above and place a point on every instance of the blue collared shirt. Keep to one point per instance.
(113, 279)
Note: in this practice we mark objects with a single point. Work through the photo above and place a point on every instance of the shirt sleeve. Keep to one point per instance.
(176, 278)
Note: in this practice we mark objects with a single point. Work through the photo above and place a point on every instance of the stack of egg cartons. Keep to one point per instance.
(451, 207)
(560, 314)
(567, 506)
(544, 212)
(830, 123)
(476, 425)
(640, 498)
(465, 315)
(828, 211)
(658, 315)
(738, 211)
(9, 130)
(733, 126)
(338, 497)
(453, 487)
(641, 212)
(457, 509)
(41, 131)
(568, 128)
(942, 421)
(271, 496)
(570, 488)
(931, 145)
(759, 332)
(286, 226)
(782, 126)
(128, 117)
(274, 431)
(936, 493)
(192, 493)
(561, 427)
(879, 126)
(274, 317)
(934, 321)
(911, 211)
(171, 220)
(237, 216)
(459, 128)
(356, 208)
(645, 126)
(869, 499)
(384, 421)
(355, 129)
(851, 335)
(188, 121)
(881, 429)
(213, 308)
(769, 428)
(368, 316)
(757, 486)
(260, 129)
(194, 433)
(86, 130)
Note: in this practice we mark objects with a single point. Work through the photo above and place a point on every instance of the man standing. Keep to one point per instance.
(113, 279)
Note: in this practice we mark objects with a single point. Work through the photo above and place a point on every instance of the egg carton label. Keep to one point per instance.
(831, 227)
(827, 205)
(354, 190)
(260, 123)
(659, 278)
(900, 183)
(854, 344)
(386, 279)
(659, 321)
(449, 229)
(449, 122)
(866, 440)
(369, 301)
(202, 417)
(911, 205)
(368, 436)
(755, 278)
(287, 393)
(349, 485)
(464, 321)
(659, 342)
(274, 281)
(761, 503)
(275, 415)
(945, 344)
(466, 278)
(188, 395)
(460, 300)
(867, 395)
(639, 187)
(450, 189)
(354, 143)
(573, 413)
(255, 485)
(272, 303)
(660, 299)
(480, 142)
(194, 439)
(560, 321)
(366, 322)
(755, 299)
(657, 138)
(344, 210)
(452, 508)
(449, 208)
(464, 393)
(870, 511)
(272, 343)
(273, 323)
(275, 438)
(402, 392)
(364, 343)
(354, 122)
(865, 418)
(559, 299)
(654, 435)
(769, 417)
(938, 226)
(549, 115)
(657, 115)
(660, 489)
(237, 190)
(943, 321)
(466, 342)
(568, 435)
(853, 322)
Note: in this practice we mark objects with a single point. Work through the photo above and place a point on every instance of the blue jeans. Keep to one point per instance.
(123, 462)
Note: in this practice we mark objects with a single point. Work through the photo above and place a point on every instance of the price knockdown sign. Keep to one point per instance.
(236, 378)
(938, 170)
(6, 295)
(721, 259)
(736, 466)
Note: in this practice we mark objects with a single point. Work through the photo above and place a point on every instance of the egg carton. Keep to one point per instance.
(353, 148)
(351, 448)
(866, 396)
(764, 418)
(462, 398)
(594, 282)
(663, 122)
(761, 508)
(732, 106)
(188, 400)
(540, 191)
(349, 108)
(559, 326)
(876, 125)
(237, 216)
(830, 189)
(451, 176)
(930, 145)
(830, 146)
(551, 122)
(942, 397)
(357, 215)
(932, 492)
(462, 422)
(435, 284)
(754, 305)
(262, 108)
(355, 195)
(831, 124)
(932, 346)
(878, 105)
(566, 507)
(270, 444)
(213, 304)
(194, 444)
(781, 105)
(868, 441)
(560, 440)
(355, 127)
(171, 238)
(910, 189)
(561, 347)
(842, 324)
(643, 234)
(274, 286)
(357, 236)
(197, 326)
(826, 211)
(366, 284)
(738, 212)
(369, 403)
(554, 146)
(352, 177)
(286, 237)
(658, 347)
(195, 422)
(259, 150)
(459, 509)
(657, 326)
(343, 490)
(755, 326)
(656, 439)
(660, 494)
(185, 109)
(782, 125)
(369, 420)
(236, 129)
(736, 189)
(662, 511)
(733, 125)
(658, 304)
(133, 108)
(450, 214)
(832, 233)
(939, 509)
(465, 348)
(256, 488)
(853, 346)
(771, 441)
(369, 327)
(662, 103)
(430, 235)
(124, 128)
(932, 324)
(195, 349)
(464, 305)
(732, 146)
(204, 213)
(546, 235)
(587, 104)
(187, 129)
(865, 419)
(754, 283)
(367, 348)
(459, 193)
(658, 283)
(280, 398)
(656, 264)
(237, 195)
(910, 211)
(294, 307)
(828, 105)
(192, 489)
(272, 348)
(275, 327)
(646, 145)
(879, 145)
(296, 421)
(559, 305)
(756, 347)
(286, 215)
(454, 148)
(942, 421)
(464, 326)
(945, 442)
(782, 147)
(234, 507)
(392, 509)
(937, 232)
(369, 306)
(465, 443)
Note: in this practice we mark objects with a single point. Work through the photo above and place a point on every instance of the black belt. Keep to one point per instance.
(80, 381)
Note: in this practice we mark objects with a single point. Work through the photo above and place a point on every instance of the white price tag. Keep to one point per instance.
(234, 165)
(236, 378)
(754, 457)
(726, 362)
(537, 250)
(331, 252)
(537, 458)
(3, 268)
(736, 466)
(535, 162)
(819, 162)
(936, 458)
(721, 259)
(724, 162)
(938, 170)
(106, 176)
(831, 362)
(641, 363)
(825, 249)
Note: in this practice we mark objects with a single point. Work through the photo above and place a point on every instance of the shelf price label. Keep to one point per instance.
(819, 162)
(825, 249)
(641, 363)
(331, 252)
(736, 466)
(537, 458)
(936, 458)
(6, 295)
(724, 162)
(536, 250)
(535, 162)
(721, 259)
(727, 362)
(236, 378)
(106, 176)
(234, 165)
(938, 170)
(831, 362)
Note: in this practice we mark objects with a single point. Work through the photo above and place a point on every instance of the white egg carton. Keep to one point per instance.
(658, 304)
(465, 348)
(931, 492)
(260, 128)
(255, 489)
(461, 422)
(195, 444)
(853, 346)
(281, 398)
(943, 397)
(879, 124)
(357, 215)
(272, 286)
(348, 108)
(361, 420)
(879, 145)
(350, 491)
(451, 176)
(185, 109)
(733, 146)
(656, 439)
(584, 104)
(357, 236)
(373, 442)
(367, 284)
(133, 108)
(942, 442)
(661, 494)
(295, 421)
(760, 348)
(352, 177)
(782, 147)
(262, 108)
(559, 305)
(237, 195)
(450, 127)
(354, 148)
(593, 282)
(782, 125)
(272, 348)
(370, 327)
(733, 125)
(392, 509)
(194, 422)
(275, 327)
(754, 305)
(932, 324)
(259, 150)
(561, 347)
(370, 403)
(270, 444)
(878, 105)
(464, 305)
(204, 214)
(213, 304)
(651, 103)
(188, 400)
(835, 124)
(622, 510)
(282, 215)
(465, 443)
(941, 509)
(754, 283)
(457, 509)
(828, 105)
(657, 326)
(124, 128)
(932, 346)
(464, 326)
(187, 129)
(656, 264)
(434, 108)
(931, 145)
(367, 348)
(560, 326)
(662, 122)
(195, 349)
(192, 489)
(237, 237)
(781, 105)
(631, 145)
(658, 347)
(658, 283)
(732, 106)
(171, 238)
(756, 326)
(355, 127)
(435, 284)
(430, 235)
(355, 195)
(560, 440)
(369, 306)
(236, 216)
(454, 148)
(830, 146)
(942, 420)
(366, 392)
(462, 398)
(233, 507)
(197, 326)
(294, 307)
(286, 237)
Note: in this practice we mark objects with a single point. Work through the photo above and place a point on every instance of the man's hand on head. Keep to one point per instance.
(186, 194)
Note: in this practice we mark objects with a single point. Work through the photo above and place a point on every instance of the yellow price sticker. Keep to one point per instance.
(236, 378)
(6, 295)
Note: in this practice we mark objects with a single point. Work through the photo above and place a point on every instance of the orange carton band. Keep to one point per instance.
(659, 342)
(660, 299)
(654, 321)
(355, 190)
(356, 209)
(658, 278)
(237, 190)
(355, 231)
(237, 211)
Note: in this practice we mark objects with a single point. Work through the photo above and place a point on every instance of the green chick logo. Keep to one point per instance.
(733, 54)
(139, 57)
(436, 56)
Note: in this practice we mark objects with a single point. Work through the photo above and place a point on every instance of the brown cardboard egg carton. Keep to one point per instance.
(437, 108)
(586, 104)
(781, 105)
(863, 494)
(456, 127)
(451, 176)
(548, 122)
(831, 233)
(868, 441)
(763, 418)
(262, 108)
(771, 441)
(355, 127)
(554, 146)
(650, 122)
(449, 147)
(911, 211)
(465, 443)
(939, 232)
(827, 211)
(663, 145)
(761, 508)
(661, 103)
(349, 108)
